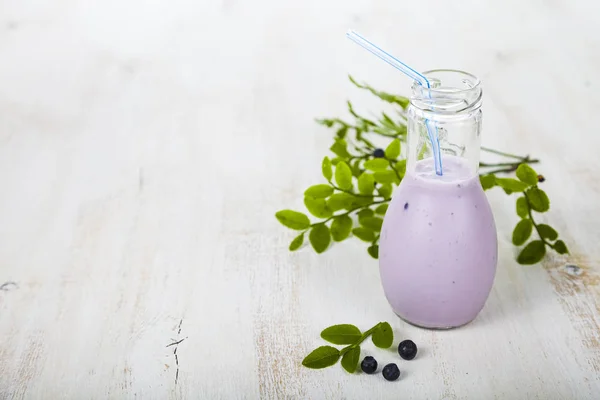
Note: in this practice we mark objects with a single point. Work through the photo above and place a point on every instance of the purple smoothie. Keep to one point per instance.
(438, 246)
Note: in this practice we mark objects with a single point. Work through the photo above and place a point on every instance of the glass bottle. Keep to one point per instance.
(438, 246)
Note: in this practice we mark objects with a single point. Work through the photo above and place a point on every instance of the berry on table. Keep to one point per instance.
(391, 372)
(379, 153)
(368, 365)
(407, 349)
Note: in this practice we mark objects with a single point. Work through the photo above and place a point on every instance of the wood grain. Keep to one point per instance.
(145, 146)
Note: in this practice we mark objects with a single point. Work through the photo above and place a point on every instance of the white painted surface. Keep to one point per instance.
(144, 147)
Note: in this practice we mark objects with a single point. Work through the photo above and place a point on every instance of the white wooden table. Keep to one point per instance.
(145, 146)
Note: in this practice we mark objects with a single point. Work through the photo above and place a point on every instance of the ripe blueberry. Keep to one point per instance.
(391, 372)
(379, 153)
(369, 365)
(407, 349)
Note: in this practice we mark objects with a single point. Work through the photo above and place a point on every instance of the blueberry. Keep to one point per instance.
(379, 153)
(407, 349)
(369, 365)
(541, 178)
(391, 372)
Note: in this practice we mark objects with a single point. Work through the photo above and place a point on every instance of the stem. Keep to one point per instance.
(348, 212)
(360, 137)
(483, 164)
(376, 239)
(362, 339)
(352, 193)
(500, 170)
(363, 157)
(534, 224)
(501, 153)
(357, 148)
(510, 167)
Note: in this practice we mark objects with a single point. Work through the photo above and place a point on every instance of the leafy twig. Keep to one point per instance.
(347, 334)
(533, 199)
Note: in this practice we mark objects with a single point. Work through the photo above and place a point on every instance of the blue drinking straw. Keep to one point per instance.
(414, 75)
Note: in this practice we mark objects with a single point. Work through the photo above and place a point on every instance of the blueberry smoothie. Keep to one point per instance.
(438, 246)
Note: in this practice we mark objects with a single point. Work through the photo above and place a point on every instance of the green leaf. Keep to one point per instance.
(355, 167)
(364, 234)
(385, 190)
(350, 359)
(343, 176)
(383, 337)
(297, 242)
(532, 253)
(387, 121)
(366, 183)
(393, 149)
(560, 247)
(385, 176)
(320, 237)
(381, 209)
(377, 164)
(337, 201)
(487, 181)
(401, 167)
(365, 212)
(390, 98)
(319, 191)
(325, 121)
(373, 251)
(522, 232)
(340, 148)
(527, 174)
(341, 133)
(522, 207)
(538, 199)
(293, 219)
(547, 232)
(326, 168)
(341, 334)
(322, 357)
(511, 184)
(317, 207)
(423, 152)
(341, 227)
(373, 223)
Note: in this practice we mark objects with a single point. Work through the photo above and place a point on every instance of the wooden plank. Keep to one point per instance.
(144, 148)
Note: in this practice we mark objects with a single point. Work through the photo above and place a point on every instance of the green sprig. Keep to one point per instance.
(346, 334)
(533, 200)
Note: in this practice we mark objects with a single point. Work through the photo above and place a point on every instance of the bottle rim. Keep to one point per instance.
(452, 91)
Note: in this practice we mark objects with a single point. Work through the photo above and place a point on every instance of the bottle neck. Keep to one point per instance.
(451, 110)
